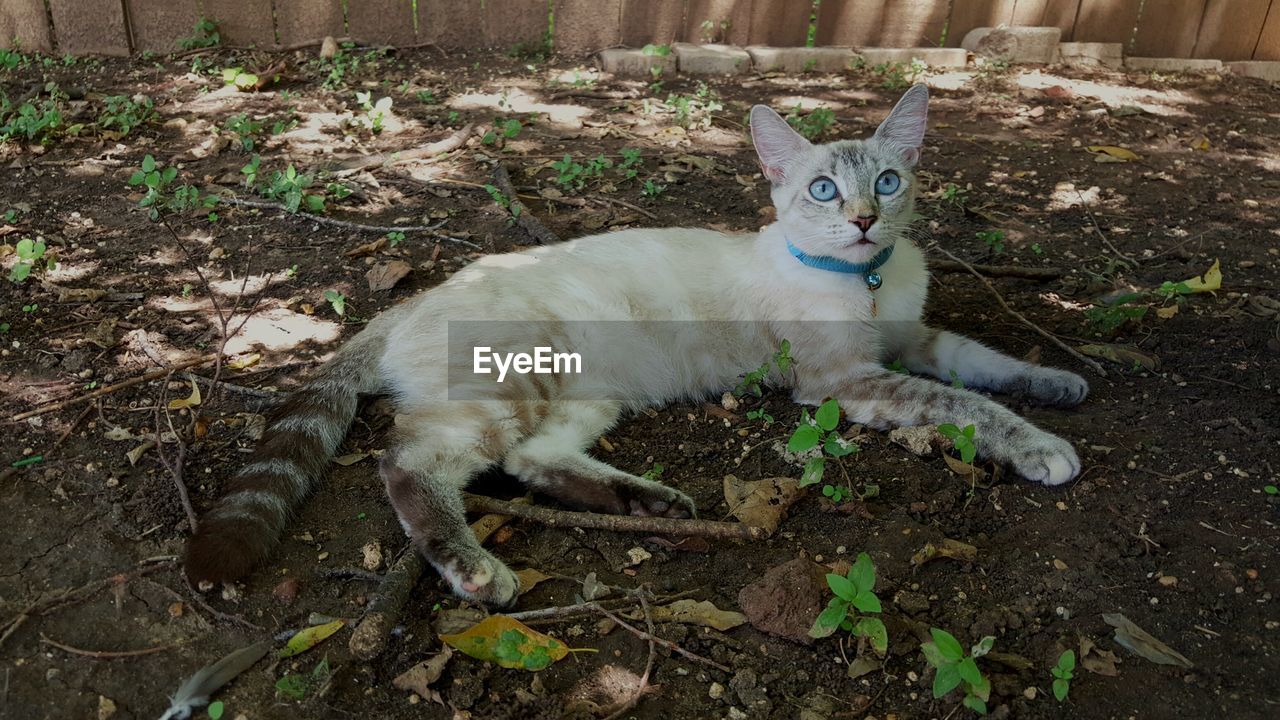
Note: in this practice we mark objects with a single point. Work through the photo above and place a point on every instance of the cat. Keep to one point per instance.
(837, 275)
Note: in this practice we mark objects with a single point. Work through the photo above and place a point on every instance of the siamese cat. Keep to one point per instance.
(837, 275)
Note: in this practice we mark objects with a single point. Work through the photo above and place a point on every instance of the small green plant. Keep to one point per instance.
(898, 367)
(813, 124)
(654, 473)
(245, 130)
(656, 50)
(956, 381)
(652, 189)
(375, 114)
(630, 165)
(11, 59)
(1035, 248)
(993, 238)
(1271, 490)
(897, 76)
(205, 34)
(695, 110)
(809, 66)
(290, 188)
(574, 176)
(122, 114)
(300, 687)
(394, 238)
(338, 70)
(33, 307)
(427, 97)
(39, 121)
(216, 709)
(1062, 674)
(954, 195)
(239, 78)
(338, 301)
(854, 594)
(963, 440)
(503, 202)
(954, 668)
(1110, 316)
(753, 381)
(819, 431)
(504, 129)
(29, 253)
(760, 414)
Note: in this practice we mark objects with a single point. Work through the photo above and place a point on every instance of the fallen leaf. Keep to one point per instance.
(1112, 153)
(1098, 662)
(508, 643)
(308, 638)
(366, 249)
(119, 433)
(530, 577)
(761, 503)
(244, 361)
(1201, 144)
(863, 665)
(1165, 313)
(80, 294)
(1140, 641)
(698, 612)
(1058, 92)
(287, 591)
(190, 401)
(385, 276)
(1122, 354)
(136, 454)
(350, 458)
(419, 678)
(948, 548)
(1210, 281)
(592, 588)
(964, 469)
(103, 334)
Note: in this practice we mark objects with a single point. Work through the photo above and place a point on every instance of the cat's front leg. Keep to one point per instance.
(941, 353)
(882, 399)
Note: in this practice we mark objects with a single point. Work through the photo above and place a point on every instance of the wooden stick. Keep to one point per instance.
(369, 639)
(1097, 368)
(1014, 271)
(427, 152)
(145, 377)
(432, 230)
(642, 687)
(519, 211)
(106, 654)
(661, 641)
(618, 523)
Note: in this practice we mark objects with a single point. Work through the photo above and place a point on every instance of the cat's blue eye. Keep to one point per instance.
(888, 183)
(822, 189)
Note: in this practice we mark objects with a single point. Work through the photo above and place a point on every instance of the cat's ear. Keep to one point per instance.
(776, 143)
(905, 126)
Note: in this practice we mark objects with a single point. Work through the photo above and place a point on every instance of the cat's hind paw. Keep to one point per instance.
(653, 499)
(1046, 459)
(1052, 387)
(482, 578)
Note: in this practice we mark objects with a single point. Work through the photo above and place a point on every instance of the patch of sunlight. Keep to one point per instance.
(575, 76)
(250, 285)
(1163, 101)
(164, 257)
(274, 328)
(1066, 195)
(518, 101)
(318, 133)
(226, 100)
(953, 80)
(65, 273)
(1058, 301)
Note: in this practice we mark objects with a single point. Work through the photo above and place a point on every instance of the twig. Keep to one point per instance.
(625, 204)
(454, 141)
(519, 211)
(215, 612)
(106, 654)
(1105, 240)
(1014, 271)
(618, 523)
(369, 639)
(661, 641)
(349, 574)
(1097, 368)
(175, 467)
(643, 686)
(233, 389)
(321, 219)
(145, 377)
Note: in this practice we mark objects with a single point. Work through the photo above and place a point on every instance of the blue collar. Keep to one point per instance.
(868, 270)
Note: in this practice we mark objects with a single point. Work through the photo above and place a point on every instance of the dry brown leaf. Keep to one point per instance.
(366, 249)
(418, 679)
(103, 334)
(1165, 313)
(698, 612)
(530, 577)
(964, 469)
(761, 503)
(80, 294)
(1144, 643)
(948, 548)
(1122, 354)
(386, 275)
(1112, 153)
(350, 458)
(1098, 662)
(136, 454)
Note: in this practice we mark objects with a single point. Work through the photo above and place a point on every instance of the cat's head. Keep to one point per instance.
(848, 199)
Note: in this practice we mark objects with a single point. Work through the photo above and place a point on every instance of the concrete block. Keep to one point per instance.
(933, 57)
(635, 62)
(1268, 70)
(712, 59)
(1091, 55)
(1014, 44)
(1172, 65)
(800, 59)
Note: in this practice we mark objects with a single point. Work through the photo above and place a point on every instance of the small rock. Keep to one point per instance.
(372, 551)
(106, 707)
(1029, 693)
(1167, 580)
(911, 602)
(716, 691)
(736, 714)
(746, 686)
(328, 48)
(638, 555)
(786, 599)
(1059, 564)
(729, 402)
(217, 253)
(287, 591)
(919, 440)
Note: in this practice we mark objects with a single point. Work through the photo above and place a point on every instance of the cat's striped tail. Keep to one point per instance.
(300, 439)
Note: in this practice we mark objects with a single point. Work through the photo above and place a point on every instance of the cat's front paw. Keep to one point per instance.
(1052, 387)
(653, 499)
(1045, 458)
(483, 578)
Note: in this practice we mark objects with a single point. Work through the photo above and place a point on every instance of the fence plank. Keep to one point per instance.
(969, 14)
(1061, 14)
(587, 25)
(449, 23)
(1168, 28)
(881, 23)
(508, 23)
(780, 23)
(158, 24)
(1029, 12)
(301, 22)
(1269, 44)
(90, 27)
(243, 23)
(381, 22)
(24, 25)
(1107, 21)
(1231, 29)
(726, 21)
(650, 21)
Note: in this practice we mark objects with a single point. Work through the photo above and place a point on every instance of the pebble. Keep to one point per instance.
(736, 714)
(716, 691)
(1029, 693)
(729, 402)
(1167, 580)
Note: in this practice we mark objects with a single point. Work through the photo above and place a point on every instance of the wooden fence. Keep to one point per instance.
(1223, 29)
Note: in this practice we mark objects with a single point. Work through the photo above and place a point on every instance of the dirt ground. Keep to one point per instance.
(1170, 523)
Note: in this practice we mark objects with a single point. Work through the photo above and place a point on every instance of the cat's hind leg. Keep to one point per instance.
(554, 461)
(441, 449)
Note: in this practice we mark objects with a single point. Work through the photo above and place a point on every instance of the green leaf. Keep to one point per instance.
(842, 587)
(828, 415)
(836, 446)
(1067, 661)
(873, 629)
(969, 671)
(969, 431)
(933, 655)
(216, 709)
(863, 573)
(148, 164)
(949, 430)
(137, 177)
(813, 470)
(867, 602)
(946, 679)
(309, 637)
(947, 644)
(509, 643)
(829, 620)
(1060, 689)
(983, 646)
(982, 689)
(975, 704)
(804, 438)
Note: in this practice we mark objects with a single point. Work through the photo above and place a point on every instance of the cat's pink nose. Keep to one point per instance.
(864, 223)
